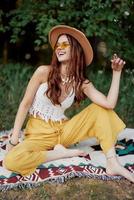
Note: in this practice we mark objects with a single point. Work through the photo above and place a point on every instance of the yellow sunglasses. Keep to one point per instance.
(62, 45)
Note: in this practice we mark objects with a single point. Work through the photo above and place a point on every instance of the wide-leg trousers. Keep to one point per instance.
(41, 136)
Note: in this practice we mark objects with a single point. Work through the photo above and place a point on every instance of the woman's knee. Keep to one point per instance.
(98, 107)
(99, 111)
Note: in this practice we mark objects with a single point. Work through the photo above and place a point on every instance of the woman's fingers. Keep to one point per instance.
(114, 56)
(117, 63)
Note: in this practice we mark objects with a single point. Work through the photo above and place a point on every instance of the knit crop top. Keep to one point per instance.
(43, 107)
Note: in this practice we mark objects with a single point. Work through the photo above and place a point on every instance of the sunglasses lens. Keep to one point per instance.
(63, 45)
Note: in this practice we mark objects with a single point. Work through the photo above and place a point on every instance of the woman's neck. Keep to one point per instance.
(64, 69)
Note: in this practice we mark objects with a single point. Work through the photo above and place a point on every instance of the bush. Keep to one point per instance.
(125, 105)
(14, 78)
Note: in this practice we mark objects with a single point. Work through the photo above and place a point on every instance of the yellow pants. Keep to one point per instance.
(40, 136)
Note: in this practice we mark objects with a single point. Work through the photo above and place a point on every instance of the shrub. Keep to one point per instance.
(125, 105)
(14, 78)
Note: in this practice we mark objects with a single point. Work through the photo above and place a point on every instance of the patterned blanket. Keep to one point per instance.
(91, 166)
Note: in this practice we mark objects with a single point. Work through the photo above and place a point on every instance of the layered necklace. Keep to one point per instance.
(66, 79)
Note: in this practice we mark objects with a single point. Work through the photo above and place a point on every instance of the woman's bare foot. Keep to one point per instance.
(69, 152)
(114, 168)
(60, 151)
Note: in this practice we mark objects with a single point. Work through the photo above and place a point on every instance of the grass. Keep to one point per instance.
(75, 189)
(14, 79)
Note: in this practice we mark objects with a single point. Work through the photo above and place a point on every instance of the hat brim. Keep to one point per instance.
(56, 31)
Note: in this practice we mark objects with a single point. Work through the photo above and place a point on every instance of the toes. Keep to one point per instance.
(58, 147)
(82, 153)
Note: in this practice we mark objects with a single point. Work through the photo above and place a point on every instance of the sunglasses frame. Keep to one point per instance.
(62, 45)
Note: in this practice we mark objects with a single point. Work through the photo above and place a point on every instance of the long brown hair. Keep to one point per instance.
(76, 69)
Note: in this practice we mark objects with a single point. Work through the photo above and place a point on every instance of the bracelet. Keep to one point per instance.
(12, 143)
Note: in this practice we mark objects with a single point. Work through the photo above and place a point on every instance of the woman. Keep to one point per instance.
(51, 90)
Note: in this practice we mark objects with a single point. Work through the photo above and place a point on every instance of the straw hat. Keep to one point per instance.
(78, 35)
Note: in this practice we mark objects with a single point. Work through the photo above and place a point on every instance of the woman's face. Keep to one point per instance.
(62, 49)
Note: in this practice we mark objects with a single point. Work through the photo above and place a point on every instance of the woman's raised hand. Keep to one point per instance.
(117, 63)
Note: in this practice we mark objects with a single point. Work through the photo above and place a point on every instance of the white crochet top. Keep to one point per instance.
(45, 109)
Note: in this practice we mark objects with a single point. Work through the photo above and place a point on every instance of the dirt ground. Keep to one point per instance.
(75, 189)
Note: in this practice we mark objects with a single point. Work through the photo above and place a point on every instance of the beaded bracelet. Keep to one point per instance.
(12, 143)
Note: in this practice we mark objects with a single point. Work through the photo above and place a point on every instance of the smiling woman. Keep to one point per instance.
(51, 90)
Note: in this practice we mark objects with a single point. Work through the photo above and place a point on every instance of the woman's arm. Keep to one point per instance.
(39, 76)
(110, 100)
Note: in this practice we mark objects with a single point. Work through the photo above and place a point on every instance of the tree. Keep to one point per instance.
(110, 21)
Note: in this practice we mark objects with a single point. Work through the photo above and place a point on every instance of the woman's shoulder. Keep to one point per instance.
(43, 69)
(43, 72)
(86, 83)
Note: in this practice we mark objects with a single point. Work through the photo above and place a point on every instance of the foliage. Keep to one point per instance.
(14, 78)
(110, 21)
(125, 104)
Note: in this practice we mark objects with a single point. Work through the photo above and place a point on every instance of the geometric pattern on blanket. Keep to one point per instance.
(91, 166)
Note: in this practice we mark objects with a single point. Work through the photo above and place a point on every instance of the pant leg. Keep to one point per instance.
(93, 121)
(23, 158)
(26, 156)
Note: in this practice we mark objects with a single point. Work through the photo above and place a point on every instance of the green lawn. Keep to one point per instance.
(75, 189)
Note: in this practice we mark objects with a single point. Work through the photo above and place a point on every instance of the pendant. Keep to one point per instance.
(66, 80)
